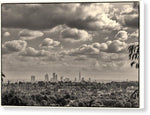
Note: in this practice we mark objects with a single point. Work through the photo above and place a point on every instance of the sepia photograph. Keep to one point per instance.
(71, 54)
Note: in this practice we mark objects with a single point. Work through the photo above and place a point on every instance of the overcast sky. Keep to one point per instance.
(67, 38)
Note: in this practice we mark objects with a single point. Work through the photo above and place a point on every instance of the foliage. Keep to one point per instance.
(134, 55)
(73, 94)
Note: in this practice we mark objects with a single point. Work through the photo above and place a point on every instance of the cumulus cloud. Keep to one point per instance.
(117, 46)
(63, 32)
(108, 42)
(74, 34)
(31, 52)
(49, 43)
(6, 34)
(84, 49)
(29, 34)
(102, 46)
(13, 46)
(121, 35)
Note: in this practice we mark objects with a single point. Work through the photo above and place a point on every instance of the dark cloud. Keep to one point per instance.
(131, 21)
(44, 16)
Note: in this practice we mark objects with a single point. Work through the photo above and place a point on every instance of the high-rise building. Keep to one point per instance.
(82, 79)
(54, 77)
(79, 76)
(61, 78)
(89, 79)
(32, 78)
(46, 77)
(75, 79)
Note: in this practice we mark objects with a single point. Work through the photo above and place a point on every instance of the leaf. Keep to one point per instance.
(132, 63)
(132, 56)
(137, 65)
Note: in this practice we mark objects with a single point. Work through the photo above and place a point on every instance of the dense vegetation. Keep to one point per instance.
(71, 94)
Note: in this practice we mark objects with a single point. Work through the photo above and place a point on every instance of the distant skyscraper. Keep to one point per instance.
(89, 79)
(75, 79)
(46, 77)
(79, 76)
(32, 78)
(82, 79)
(61, 78)
(54, 77)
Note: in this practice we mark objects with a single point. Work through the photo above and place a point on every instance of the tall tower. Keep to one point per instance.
(79, 76)
(61, 78)
(53, 77)
(56, 78)
(32, 78)
(46, 77)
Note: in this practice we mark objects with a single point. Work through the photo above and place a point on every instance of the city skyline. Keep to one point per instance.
(69, 38)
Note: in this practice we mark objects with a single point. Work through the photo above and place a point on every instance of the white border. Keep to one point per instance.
(141, 76)
(141, 69)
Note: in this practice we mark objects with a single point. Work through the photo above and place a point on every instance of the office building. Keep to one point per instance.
(46, 77)
(32, 78)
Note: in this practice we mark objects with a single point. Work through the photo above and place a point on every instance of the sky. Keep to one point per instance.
(91, 38)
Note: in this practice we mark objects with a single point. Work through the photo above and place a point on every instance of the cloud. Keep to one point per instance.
(87, 50)
(121, 35)
(52, 57)
(65, 33)
(6, 34)
(29, 34)
(102, 46)
(104, 22)
(91, 16)
(131, 21)
(117, 46)
(73, 34)
(108, 42)
(13, 46)
(113, 65)
(31, 52)
(129, 16)
(110, 57)
(134, 34)
(49, 43)
(127, 9)
(80, 58)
